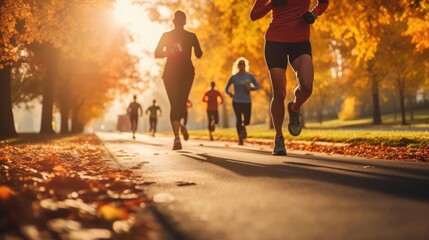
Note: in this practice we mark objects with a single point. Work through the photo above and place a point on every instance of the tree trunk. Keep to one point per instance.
(7, 126)
(65, 107)
(411, 107)
(64, 110)
(402, 105)
(48, 91)
(76, 126)
(376, 113)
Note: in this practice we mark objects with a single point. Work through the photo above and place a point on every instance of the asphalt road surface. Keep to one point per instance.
(219, 190)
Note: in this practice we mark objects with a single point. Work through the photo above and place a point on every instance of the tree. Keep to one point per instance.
(11, 13)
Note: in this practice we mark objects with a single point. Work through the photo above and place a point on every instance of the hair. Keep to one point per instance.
(135, 96)
(212, 84)
(235, 65)
(179, 18)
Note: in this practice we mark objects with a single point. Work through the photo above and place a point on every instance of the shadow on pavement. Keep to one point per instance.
(131, 141)
(389, 184)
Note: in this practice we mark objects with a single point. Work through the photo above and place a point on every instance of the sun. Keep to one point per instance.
(145, 33)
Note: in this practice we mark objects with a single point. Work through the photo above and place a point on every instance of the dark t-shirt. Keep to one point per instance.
(133, 109)
(181, 43)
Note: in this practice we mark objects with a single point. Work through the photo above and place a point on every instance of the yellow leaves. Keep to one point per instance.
(5, 192)
(418, 29)
(4, 158)
(60, 169)
(111, 212)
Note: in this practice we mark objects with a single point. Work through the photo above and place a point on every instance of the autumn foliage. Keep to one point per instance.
(68, 188)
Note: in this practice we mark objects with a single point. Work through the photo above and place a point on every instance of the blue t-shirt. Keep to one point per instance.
(241, 81)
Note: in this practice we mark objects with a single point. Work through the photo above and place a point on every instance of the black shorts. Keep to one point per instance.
(276, 53)
(214, 114)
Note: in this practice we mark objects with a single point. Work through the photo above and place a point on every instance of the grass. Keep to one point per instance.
(417, 139)
(421, 120)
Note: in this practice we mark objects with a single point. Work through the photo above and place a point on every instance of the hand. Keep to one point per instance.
(277, 3)
(231, 94)
(249, 88)
(309, 17)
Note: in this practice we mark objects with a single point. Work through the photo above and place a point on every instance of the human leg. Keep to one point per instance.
(303, 66)
(276, 59)
(238, 110)
(247, 111)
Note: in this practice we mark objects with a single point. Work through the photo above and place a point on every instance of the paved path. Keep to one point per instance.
(218, 190)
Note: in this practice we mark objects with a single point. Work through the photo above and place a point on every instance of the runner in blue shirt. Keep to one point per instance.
(243, 83)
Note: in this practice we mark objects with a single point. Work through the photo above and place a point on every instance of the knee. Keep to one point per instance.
(279, 95)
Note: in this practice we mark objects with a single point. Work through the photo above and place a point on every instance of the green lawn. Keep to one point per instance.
(373, 137)
(360, 131)
(421, 120)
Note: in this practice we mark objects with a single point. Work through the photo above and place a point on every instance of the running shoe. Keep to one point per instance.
(184, 132)
(294, 125)
(243, 133)
(279, 147)
(177, 145)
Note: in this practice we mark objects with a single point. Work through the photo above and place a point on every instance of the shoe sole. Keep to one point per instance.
(291, 132)
(289, 105)
(185, 134)
(279, 153)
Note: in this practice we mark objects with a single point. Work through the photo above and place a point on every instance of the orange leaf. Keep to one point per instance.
(5, 192)
(110, 212)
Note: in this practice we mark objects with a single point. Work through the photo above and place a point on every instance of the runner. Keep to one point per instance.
(212, 97)
(133, 111)
(178, 76)
(153, 116)
(288, 37)
(243, 82)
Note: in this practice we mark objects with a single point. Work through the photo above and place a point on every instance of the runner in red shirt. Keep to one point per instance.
(288, 37)
(211, 97)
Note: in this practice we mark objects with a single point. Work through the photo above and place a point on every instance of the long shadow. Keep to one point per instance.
(403, 169)
(423, 172)
(239, 149)
(388, 184)
(130, 141)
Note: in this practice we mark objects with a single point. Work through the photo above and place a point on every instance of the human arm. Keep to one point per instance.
(160, 50)
(220, 96)
(260, 9)
(205, 97)
(197, 48)
(141, 110)
(228, 84)
(311, 16)
(255, 84)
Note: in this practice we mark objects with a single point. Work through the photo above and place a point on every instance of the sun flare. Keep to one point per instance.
(145, 33)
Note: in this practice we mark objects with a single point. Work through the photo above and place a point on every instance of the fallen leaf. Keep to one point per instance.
(111, 212)
(181, 183)
(5, 192)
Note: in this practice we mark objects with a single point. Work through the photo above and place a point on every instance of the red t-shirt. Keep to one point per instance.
(211, 98)
(287, 23)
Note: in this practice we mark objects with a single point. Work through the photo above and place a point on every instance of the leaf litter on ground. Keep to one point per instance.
(68, 189)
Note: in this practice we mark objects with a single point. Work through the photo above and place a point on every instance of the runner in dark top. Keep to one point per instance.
(212, 97)
(153, 116)
(133, 111)
(287, 37)
(176, 46)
